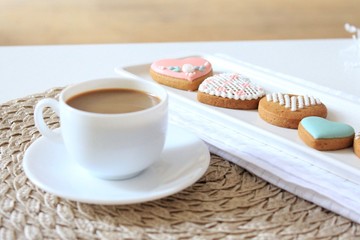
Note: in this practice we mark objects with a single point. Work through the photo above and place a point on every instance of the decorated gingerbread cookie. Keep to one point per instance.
(185, 74)
(230, 90)
(357, 144)
(325, 135)
(286, 110)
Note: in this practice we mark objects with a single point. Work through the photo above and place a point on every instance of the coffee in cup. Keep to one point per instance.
(113, 101)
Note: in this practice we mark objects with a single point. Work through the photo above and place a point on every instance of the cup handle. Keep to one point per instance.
(39, 118)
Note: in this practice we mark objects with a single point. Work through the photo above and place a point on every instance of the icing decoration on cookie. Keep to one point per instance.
(357, 135)
(232, 86)
(293, 102)
(320, 128)
(187, 68)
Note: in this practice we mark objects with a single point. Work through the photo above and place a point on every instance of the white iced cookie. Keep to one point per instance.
(230, 90)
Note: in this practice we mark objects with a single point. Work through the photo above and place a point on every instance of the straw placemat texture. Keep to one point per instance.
(228, 202)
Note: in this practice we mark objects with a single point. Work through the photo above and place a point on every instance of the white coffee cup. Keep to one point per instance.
(108, 146)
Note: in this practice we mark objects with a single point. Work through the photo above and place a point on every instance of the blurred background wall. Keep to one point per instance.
(34, 22)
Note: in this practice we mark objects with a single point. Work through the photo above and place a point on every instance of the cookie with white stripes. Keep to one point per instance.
(356, 144)
(287, 110)
(230, 90)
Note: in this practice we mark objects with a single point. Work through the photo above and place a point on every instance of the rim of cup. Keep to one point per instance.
(105, 83)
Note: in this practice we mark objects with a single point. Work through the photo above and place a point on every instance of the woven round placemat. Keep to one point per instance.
(228, 202)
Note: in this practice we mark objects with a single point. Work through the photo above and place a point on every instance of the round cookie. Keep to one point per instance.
(184, 74)
(325, 135)
(357, 144)
(286, 110)
(230, 90)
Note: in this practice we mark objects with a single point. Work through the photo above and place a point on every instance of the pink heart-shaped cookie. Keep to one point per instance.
(186, 68)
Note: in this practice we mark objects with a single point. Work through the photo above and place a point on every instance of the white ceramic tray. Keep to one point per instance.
(342, 107)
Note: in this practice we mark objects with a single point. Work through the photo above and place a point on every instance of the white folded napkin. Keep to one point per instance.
(276, 166)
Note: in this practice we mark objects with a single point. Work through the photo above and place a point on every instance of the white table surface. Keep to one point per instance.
(26, 70)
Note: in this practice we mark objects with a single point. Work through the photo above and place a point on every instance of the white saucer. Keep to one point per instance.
(184, 160)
